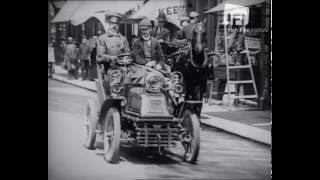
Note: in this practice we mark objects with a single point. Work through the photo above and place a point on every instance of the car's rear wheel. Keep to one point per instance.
(191, 136)
(91, 121)
(112, 135)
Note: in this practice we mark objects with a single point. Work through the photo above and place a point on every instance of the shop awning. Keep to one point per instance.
(58, 4)
(78, 12)
(174, 10)
(233, 4)
(66, 12)
(96, 9)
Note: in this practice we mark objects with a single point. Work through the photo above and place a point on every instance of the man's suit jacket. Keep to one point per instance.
(84, 51)
(163, 34)
(138, 52)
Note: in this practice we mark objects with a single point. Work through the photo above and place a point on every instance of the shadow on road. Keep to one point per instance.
(138, 155)
(142, 156)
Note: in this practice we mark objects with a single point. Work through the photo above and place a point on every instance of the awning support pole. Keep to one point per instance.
(227, 63)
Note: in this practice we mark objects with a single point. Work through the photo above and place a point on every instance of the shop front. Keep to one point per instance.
(86, 18)
(256, 29)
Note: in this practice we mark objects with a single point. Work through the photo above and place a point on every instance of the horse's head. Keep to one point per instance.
(198, 45)
(198, 38)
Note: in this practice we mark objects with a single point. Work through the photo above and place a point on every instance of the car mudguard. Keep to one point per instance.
(106, 105)
(193, 106)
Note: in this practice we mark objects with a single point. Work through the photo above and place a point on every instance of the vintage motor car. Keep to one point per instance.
(152, 115)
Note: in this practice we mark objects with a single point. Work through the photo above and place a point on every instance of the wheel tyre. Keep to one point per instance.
(112, 131)
(91, 123)
(192, 123)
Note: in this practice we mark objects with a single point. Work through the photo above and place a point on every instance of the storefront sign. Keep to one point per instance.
(174, 10)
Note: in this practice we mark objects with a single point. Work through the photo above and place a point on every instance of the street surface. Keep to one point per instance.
(222, 155)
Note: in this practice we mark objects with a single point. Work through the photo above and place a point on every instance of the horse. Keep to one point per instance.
(192, 62)
(196, 64)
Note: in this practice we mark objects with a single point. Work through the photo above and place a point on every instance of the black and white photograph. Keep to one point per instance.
(159, 89)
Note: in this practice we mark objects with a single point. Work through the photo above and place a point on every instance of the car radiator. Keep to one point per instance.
(157, 134)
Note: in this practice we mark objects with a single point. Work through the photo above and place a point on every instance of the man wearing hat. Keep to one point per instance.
(84, 56)
(112, 43)
(70, 58)
(183, 22)
(146, 49)
(194, 19)
(92, 70)
(160, 32)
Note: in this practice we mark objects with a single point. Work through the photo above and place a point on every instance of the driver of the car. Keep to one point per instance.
(112, 43)
(146, 49)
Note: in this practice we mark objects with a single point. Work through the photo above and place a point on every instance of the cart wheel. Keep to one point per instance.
(91, 124)
(191, 137)
(112, 136)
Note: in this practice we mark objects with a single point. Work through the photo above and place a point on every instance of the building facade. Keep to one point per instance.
(259, 18)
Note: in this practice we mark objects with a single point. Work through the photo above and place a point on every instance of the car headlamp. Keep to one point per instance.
(176, 77)
(177, 81)
(153, 83)
(178, 88)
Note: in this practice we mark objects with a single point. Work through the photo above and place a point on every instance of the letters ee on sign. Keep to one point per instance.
(173, 10)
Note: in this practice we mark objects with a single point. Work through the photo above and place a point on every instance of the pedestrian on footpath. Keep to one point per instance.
(93, 74)
(84, 57)
(70, 58)
(51, 59)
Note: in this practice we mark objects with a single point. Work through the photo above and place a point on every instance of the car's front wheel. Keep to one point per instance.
(112, 132)
(191, 136)
(91, 121)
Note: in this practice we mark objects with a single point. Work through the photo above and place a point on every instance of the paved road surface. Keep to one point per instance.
(222, 155)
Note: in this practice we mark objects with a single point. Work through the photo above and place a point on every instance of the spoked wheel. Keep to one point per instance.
(112, 136)
(191, 136)
(91, 124)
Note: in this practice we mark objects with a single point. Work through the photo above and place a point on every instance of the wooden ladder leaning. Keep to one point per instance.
(250, 43)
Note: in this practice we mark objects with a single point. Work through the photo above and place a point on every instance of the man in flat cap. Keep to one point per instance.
(112, 43)
(160, 32)
(183, 22)
(146, 49)
(84, 57)
(194, 19)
